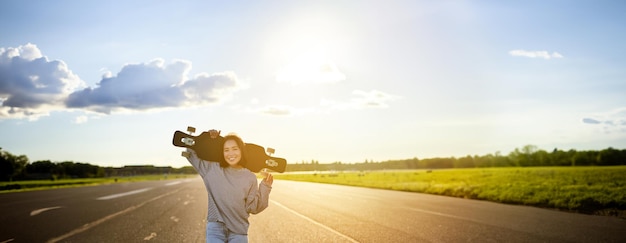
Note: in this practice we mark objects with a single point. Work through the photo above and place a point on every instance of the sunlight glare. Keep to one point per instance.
(310, 66)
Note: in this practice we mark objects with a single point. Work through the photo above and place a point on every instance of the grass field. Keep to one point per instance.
(594, 190)
(16, 186)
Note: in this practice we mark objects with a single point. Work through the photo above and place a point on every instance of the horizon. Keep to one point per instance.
(341, 162)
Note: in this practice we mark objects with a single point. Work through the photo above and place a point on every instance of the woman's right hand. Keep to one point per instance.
(214, 133)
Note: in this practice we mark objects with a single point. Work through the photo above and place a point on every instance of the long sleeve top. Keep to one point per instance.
(233, 193)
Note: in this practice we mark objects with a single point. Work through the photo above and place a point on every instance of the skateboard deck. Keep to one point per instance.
(211, 149)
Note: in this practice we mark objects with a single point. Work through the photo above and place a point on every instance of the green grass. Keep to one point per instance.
(17, 186)
(596, 190)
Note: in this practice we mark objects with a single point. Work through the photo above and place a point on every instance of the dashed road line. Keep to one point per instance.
(41, 210)
(173, 183)
(149, 237)
(124, 194)
(441, 214)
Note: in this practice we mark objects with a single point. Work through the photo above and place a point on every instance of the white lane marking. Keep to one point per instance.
(149, 237)
(123, 194)
(441, 214)
(107, 218)
(173, 183)
(314, 222)
(178, 182)
(41, 210)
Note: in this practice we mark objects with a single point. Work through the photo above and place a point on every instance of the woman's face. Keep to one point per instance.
(232, 152)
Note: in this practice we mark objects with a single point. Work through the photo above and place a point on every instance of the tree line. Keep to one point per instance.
(15, 168)
(526, 156)
(18, 167)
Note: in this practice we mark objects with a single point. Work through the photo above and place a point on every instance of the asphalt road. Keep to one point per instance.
(174, 211)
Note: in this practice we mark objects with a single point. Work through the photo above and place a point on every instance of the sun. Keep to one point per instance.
(311, 65)
(305, 49)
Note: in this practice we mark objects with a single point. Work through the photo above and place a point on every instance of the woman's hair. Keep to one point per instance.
(242, 148)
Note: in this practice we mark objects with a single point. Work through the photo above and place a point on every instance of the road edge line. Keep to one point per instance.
(314, 222)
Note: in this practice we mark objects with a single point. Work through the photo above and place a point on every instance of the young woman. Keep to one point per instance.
(232, 190)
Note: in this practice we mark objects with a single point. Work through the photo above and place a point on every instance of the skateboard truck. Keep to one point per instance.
(271, 162)
(188, 141)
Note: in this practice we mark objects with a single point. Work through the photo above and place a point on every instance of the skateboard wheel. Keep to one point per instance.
(271, 163)
(189, 141)
(185, 154)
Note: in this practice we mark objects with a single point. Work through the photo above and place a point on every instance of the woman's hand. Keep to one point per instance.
(268, 179)
(214, 133)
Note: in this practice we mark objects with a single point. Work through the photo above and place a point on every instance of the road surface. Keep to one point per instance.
(174, 211)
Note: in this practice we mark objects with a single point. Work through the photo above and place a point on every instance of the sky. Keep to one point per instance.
(108, 82)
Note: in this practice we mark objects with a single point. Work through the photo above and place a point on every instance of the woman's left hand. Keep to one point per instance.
(268, 179)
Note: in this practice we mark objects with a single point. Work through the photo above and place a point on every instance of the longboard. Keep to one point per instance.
(211, 149)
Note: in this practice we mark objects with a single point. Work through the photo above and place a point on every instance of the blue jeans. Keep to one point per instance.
(216, 232)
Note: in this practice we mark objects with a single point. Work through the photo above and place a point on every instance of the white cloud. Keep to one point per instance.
(535, 54)
(372, 98)
(80, 119)
(31, 85)
(153, 85)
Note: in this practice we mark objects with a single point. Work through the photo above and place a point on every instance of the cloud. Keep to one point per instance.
(31, 85)
(591, 121)
(372, 99)
(535, 54)
(611, 122)
(80, 119)
(154, 85)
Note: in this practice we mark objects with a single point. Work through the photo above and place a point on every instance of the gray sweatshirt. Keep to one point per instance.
(233, 193)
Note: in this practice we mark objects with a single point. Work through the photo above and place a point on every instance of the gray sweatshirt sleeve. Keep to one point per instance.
(258, 197)
(200, 165)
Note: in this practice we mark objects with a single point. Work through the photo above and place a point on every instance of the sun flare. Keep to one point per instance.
(310, 66)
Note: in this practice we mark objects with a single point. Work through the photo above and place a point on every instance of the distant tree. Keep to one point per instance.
(186, 170)
(585, 158)
(611, 156)
(43, 166)
(465, 162)
(11, 166)
(497, 160)
(541, 158)
(572, 156)
(560, 158)
(70, 169)
(43, 169)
